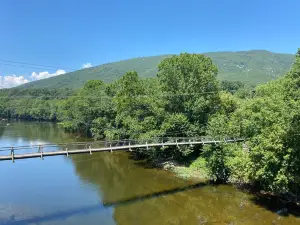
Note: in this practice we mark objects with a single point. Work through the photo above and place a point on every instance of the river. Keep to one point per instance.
(113, 188)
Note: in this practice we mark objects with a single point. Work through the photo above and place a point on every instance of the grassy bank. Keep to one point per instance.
(195, 170)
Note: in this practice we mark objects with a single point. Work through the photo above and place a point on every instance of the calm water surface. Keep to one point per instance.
(112, 188)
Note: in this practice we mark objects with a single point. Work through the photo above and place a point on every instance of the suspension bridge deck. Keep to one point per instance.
(45, 150)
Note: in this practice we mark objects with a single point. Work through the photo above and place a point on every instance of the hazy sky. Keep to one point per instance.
(70, 34)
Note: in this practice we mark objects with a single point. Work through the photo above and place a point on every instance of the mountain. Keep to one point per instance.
(251, 67)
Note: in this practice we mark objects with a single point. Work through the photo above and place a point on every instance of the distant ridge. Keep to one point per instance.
(251, 67)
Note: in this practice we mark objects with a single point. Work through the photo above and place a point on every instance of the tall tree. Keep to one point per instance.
(190, 85)
(139, 106)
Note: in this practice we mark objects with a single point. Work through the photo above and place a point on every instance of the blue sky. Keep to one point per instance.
(69, 33)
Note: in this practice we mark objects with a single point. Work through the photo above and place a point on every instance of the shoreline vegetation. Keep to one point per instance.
(186, 100)
(201, 174)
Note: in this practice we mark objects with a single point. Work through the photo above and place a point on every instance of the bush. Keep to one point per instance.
(215, 156)
(238, 165)
(199, 164)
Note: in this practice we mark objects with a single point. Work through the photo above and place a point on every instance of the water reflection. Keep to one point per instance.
(56, 216)
(61, 215)
(32, 133)
(149, 196)
(2, 129)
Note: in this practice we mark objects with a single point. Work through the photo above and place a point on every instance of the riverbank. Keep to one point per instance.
(194, 170)
(197, 171)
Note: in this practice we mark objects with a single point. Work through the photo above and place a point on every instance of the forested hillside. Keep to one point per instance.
(250, 67)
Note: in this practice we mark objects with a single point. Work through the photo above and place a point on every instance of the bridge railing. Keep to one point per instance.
(159, 141)
(202, 139)
(121, 142)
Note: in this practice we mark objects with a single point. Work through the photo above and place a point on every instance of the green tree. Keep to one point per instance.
(190, 85)
(87, 109)
(139, 107)
(270, 122)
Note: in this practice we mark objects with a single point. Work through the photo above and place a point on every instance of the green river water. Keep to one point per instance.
(113, 188)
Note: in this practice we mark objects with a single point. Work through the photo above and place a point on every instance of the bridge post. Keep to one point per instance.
(177, 143)
(202, 141)
(147, 146)
(12, 154)
(90, 150)
(190, 143)
(129, 147)
(67, 151)
(110, 148)
(41, 149)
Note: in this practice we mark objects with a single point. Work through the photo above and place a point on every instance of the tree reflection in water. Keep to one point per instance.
(151, 196)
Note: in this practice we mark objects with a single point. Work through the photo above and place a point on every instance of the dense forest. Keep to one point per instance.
(32, 104)
(184, 100)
